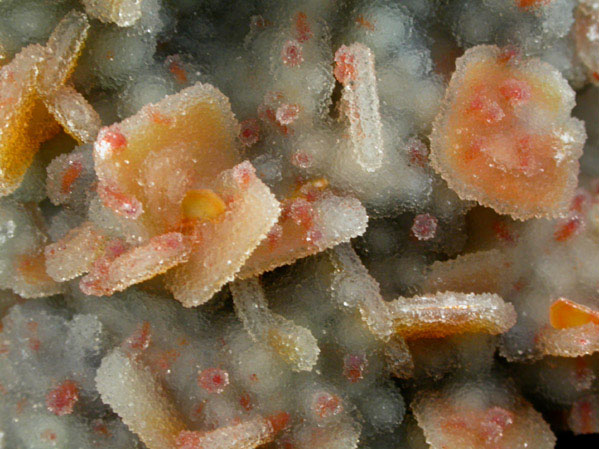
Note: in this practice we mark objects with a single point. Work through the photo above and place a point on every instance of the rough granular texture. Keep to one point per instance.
(298, 224)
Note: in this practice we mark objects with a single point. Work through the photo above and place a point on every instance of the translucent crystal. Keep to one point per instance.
(245, 435)
(360, 103)
(64, 48)
(220, 247)
(352, 286)
(115, 273)
(74, 113)
(21, 133)
(295, 344)
(470, 416)
(138, 398)
(447, 313)
(122, 12)
(308, 225)
(74, 254)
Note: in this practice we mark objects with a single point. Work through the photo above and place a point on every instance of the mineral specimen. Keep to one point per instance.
(299, 224)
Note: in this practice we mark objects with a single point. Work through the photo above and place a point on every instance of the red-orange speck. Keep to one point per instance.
(62, 399)
(213, 380)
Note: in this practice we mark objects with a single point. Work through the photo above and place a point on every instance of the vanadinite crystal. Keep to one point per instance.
(299, 224)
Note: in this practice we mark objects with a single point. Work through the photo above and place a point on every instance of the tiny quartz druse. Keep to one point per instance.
(298, 224)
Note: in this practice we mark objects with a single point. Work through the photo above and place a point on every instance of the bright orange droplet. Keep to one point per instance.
(564, 313)
(203, 204)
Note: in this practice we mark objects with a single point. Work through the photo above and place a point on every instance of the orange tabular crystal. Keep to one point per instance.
(222, 246)
(138, 264)
(504, 136)
(451, 420)
(245, 435)
(193, 144)
(305, 228)
(449, 313)
(20, 115)
(75, 253)
(564, 313)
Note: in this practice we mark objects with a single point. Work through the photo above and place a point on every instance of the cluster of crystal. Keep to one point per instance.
(298, 224)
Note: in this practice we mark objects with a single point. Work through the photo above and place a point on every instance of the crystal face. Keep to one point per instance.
(299, 224)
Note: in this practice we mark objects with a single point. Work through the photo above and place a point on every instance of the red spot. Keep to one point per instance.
(526, 4)
(165, 360)
(33, 340)
(100, 428)
(485, 109)
(301, 159)
(580, 201)
(362, 22)
(345, 68)
(507, 54)
(62, 399)
(157, 117)
(48, 435)
(250, 132)
(303, 31)
(114, 139)
(424, 227)
(495, 421)
(292, 53)
(190, 440)
(287, 113)
(326, 405)
(354, 367)
(300, 211)
(199, 409)
(585, 411)
(418, 152)
(176, 69)
(243, 174)
(70, 176)
(213, 380)
(21, 406)
(254, 377)
(246, 402)
(503, 232)
(127, 206)
(515, 91)
(596, 76)
(140, 339)
(278, 421)
(275, 235)
(567, 229)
